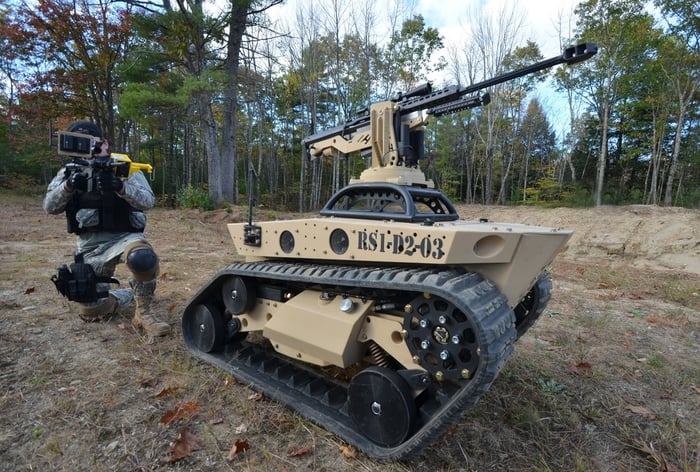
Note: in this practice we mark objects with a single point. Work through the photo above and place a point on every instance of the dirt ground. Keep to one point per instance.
(608, 379)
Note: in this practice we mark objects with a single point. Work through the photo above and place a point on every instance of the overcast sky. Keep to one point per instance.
(541, 18)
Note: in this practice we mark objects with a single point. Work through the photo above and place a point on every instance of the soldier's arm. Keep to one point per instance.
(138, 192)
(57, 196)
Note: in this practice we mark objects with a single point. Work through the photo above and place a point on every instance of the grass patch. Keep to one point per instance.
(673, 287)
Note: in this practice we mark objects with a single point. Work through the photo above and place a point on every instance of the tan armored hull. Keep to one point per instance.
(491, 249)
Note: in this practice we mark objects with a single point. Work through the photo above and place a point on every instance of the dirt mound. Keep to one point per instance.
(645, 236)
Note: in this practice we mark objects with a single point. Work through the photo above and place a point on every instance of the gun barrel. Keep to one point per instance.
(570, 55)
(452, 94)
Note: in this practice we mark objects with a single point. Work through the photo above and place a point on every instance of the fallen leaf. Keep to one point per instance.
(165, 392)
(150, 383)
(661, 321)
(185, 445)
(239, 446)
(299, 452)
(164, 276)
(241, 428)
(697, 389)
(182, 412)
(452, 429)
(29, 290)
(171, 308)
(658, 456)
(229, 380)
(640, 410)
(281, 422)
(579, 368)
(256, 397)
(348, 451)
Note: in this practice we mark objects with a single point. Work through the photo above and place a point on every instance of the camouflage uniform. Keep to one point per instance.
(103, 250)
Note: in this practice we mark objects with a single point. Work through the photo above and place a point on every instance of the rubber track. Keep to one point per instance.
(322, 400)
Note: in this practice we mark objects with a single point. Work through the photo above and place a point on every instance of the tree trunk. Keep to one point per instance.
(237, 25)
(668, 196)
(602, 158)
(211, 147)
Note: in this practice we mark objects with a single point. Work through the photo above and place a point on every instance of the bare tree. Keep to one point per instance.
(682, 70)
(493, 38)
(564, 27)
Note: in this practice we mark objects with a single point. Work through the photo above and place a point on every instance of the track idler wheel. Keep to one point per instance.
(238, 294)
(205, 328)
(533, 304)
(381, 406)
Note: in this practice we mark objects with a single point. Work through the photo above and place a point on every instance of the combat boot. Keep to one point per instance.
(99, 310)
(144, 317)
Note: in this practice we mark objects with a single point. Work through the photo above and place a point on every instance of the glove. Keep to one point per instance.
(107, 181)
(78, 181)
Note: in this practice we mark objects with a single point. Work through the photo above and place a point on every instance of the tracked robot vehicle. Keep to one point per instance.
(387, 316)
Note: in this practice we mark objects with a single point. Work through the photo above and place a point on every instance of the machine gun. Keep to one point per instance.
(393, 129)
(120, 164)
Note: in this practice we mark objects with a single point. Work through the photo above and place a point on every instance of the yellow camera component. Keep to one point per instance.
(122, 161)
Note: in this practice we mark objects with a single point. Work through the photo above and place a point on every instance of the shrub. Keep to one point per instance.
(191, 197)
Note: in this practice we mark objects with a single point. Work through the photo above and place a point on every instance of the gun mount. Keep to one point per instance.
(419, 309)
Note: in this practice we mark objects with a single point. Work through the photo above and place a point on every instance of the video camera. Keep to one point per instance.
(78, 144)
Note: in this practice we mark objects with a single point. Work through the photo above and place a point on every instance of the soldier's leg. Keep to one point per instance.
(104, 307)
(142, 261)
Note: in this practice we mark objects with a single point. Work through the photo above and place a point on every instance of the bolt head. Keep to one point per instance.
(347, 305)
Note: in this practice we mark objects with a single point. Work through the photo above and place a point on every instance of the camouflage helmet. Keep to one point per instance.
(85, 127)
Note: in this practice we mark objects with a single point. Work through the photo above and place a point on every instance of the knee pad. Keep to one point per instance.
(142, 261)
